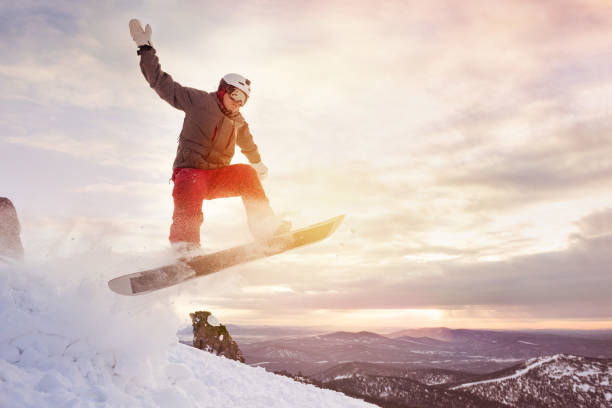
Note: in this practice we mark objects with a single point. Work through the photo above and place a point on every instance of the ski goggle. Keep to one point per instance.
(238, 96)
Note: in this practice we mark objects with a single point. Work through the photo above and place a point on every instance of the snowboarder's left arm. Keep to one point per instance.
(247, 145)
(250, 150)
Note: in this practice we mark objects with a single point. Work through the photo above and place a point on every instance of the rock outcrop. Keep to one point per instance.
(213, 337)
(11, 248)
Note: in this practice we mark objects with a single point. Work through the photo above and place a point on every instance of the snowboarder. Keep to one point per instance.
(212, 127)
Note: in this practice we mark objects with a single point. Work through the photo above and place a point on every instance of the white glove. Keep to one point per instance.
(141, 37)
(261, 169)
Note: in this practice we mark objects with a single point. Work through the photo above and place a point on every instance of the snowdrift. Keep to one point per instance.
(67, 341)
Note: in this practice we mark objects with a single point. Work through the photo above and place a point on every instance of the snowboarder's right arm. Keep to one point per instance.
(172, 92)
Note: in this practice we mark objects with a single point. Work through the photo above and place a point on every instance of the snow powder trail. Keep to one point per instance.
(68, 341)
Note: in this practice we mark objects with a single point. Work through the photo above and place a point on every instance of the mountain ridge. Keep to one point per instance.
(559, 381)
(477, 351)
(495, 367)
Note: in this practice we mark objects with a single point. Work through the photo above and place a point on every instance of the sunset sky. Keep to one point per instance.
(469, 144)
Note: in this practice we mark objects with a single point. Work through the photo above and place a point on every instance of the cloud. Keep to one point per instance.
(101, 153)
(596, 224)
(144, 189)
(573, 157)
(62, 144)
(569, 284)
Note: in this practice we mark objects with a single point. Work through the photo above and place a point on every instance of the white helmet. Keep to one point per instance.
(237, 81)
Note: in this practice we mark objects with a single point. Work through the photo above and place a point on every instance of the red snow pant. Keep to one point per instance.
(192, 186)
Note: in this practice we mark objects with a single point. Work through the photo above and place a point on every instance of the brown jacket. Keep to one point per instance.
(209, 136)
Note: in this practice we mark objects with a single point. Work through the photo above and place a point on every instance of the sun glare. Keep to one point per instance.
(375, 318)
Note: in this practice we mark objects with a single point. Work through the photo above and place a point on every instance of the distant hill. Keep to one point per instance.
(474, 351)
(448, 368)
(438, 333)
(561, 381)
(393, 392)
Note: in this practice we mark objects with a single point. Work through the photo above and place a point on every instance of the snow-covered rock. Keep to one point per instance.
(210, 335)
(212, 320)
(68, 341)
(11, 248)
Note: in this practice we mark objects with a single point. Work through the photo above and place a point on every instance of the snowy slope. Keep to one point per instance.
(554, 381)
(529, 365)
(67, 341)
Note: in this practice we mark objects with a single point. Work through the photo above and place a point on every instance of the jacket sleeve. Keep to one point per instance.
(170, 91)
(247, 145)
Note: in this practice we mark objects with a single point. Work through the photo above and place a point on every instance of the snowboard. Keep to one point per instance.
(183, 270)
